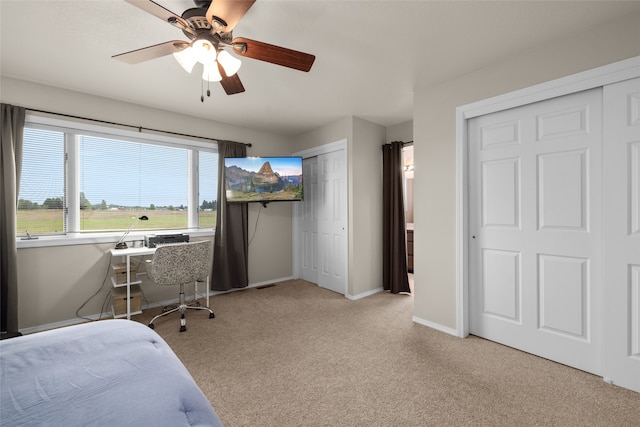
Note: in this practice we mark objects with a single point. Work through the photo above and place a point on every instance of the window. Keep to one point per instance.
(82, 179)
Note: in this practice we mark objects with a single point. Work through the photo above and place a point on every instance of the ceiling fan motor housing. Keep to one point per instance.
(202, 4)
(198, 21)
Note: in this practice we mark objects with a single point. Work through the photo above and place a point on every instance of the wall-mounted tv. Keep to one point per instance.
(263, 179)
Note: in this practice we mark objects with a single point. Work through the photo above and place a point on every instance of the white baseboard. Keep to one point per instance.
(252, 285)
(436, 326)
(78, 320)
(364, 294)
(61, 324)
(266, 282)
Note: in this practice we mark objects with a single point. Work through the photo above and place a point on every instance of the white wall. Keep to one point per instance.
(400, 132)
(364, 195)
(331, 132)
(366, 202)
(434, 146)
(54, 281)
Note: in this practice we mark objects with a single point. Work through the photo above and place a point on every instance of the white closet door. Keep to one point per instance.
(536, 228)
(332, 221)
(621, 297)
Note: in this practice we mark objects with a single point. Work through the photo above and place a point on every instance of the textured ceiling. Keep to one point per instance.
(370, 55)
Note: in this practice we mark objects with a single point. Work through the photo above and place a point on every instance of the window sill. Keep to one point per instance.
(99, 238)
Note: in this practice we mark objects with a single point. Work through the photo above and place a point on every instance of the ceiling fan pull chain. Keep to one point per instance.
(208, 88)
(201, 90)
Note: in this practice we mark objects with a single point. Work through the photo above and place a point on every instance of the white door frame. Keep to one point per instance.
(297, 250)
(601, 76)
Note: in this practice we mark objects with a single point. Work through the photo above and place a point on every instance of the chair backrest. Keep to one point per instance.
(180, 263)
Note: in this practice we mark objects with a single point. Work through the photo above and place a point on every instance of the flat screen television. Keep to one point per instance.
(263, 179)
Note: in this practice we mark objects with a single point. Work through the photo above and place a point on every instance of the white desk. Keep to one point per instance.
(128, 253)
(133, 252)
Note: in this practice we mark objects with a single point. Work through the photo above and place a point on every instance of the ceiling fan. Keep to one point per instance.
(209, 26)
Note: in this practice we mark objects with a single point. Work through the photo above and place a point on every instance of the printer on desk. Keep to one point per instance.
(154, 240)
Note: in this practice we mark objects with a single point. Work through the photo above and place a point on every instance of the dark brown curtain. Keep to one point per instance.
(231, 243)
(12, 131)
(394, 264)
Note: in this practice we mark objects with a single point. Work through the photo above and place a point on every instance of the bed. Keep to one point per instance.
(106, 373)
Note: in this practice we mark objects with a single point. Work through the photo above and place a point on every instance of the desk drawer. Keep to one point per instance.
(120, 273)
(119, 299)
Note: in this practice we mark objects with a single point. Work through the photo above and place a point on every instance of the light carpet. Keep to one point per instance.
(295, 354)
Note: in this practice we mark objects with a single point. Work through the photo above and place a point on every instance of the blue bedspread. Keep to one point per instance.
(107, 373)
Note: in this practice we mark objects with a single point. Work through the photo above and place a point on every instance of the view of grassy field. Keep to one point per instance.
(40, 221)
(249, 196)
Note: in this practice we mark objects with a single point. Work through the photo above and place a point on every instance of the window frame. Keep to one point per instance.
(71, 128)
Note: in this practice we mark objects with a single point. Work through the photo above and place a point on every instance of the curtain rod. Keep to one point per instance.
(139, 128)
(403, 144)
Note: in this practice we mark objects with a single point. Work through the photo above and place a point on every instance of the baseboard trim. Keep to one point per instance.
(92, 317)
(61, 324)
(436, 326)
(251, 285)
(364, 294)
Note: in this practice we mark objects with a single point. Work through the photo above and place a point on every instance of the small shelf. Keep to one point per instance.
(120, 316)
(124, 271)
(126, 301)
(119, 285)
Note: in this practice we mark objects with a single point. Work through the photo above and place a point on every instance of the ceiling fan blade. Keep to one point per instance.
(155, 9)
(231, 85)
(231, 11)
(151, 52)
(273, 54)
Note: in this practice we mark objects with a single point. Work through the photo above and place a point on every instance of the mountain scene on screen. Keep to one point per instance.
(263, 185)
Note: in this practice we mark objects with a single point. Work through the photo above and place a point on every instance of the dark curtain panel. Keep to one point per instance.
(12, 130)
(394, 264)
(231, 243)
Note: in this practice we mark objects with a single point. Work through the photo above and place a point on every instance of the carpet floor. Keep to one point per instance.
(295, 354)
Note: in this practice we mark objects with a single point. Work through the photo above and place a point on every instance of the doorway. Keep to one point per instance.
(407, 161)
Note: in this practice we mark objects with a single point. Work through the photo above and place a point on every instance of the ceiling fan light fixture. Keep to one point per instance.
(186, 59)
(230, 64)
(211, 73)
(204, 51)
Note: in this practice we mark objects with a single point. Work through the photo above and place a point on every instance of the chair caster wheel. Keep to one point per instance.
(183, 328)
(151, 325)
(212, 316)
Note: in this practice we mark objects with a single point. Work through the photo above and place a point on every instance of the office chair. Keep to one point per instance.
(181, 264)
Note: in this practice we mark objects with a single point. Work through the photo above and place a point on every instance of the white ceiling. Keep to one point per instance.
(370, 55)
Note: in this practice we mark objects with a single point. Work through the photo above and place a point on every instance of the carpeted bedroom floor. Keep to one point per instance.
(295, 354)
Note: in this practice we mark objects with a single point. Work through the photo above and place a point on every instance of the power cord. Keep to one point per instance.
(104, 281)
(143, 261)
(256, 226)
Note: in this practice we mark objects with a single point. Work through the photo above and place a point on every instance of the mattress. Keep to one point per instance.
(106, 373)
